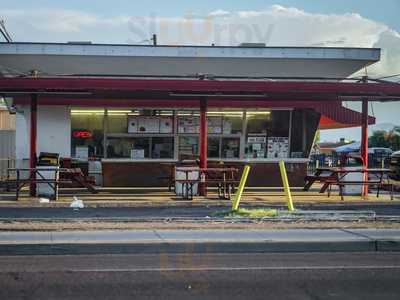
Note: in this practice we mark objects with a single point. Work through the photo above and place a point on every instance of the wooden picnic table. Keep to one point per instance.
(223, 177)
(35, 177)
(329, 176)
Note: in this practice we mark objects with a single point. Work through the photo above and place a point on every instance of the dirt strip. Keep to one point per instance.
(100, 225)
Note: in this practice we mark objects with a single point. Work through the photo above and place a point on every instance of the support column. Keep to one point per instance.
(203, 141)
(364, 141)
(33, 142)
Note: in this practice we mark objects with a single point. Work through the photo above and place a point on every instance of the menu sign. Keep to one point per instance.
(189, 124)
(278, 147)
(150, 125)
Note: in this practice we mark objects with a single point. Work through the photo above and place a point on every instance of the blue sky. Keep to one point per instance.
(386, 11)
(359, 23)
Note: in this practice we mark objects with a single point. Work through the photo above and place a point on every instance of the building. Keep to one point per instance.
(141, 109)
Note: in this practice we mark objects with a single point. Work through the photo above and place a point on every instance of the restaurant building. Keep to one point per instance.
(141, 109)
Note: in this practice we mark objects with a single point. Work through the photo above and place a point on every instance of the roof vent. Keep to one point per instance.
(252, 45)
(79, 42)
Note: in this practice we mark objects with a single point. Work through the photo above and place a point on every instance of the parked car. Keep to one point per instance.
(395, 165)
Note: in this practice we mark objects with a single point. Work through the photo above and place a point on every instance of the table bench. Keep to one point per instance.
(335, 176)
(223, 178)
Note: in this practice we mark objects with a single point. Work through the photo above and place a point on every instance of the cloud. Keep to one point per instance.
(276, 26)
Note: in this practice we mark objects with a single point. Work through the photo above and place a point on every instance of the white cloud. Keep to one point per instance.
(275, 26)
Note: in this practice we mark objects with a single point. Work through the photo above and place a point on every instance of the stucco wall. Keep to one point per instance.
(53, 131)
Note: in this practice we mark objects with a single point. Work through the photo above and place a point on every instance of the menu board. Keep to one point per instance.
(278, 147)
(166, 125)
(148, 125)
(132, 124)
(189, 124)
(137, 153)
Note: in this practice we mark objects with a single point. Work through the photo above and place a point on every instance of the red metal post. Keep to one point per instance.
(364, 141)
(203, 141)
(33, 137)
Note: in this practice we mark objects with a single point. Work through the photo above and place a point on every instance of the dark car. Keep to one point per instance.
(395, 165)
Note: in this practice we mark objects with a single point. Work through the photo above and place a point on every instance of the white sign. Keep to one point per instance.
(278, 147)
(82, 152)
(148, 125)
(132, 124)
(137, 153)
(256, 139)
(166, 125)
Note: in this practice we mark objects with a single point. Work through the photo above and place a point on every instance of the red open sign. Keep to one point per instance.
(82, 134)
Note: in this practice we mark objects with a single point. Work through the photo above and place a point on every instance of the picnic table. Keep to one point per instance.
(329, 176)
(69, 175)
(224, 178)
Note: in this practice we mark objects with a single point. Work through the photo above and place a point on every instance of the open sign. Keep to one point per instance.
(82, 134)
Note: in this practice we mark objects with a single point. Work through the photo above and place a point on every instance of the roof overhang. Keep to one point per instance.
(190, 89)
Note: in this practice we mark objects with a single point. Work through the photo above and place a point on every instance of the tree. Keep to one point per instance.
(387, 139)
(378, 139)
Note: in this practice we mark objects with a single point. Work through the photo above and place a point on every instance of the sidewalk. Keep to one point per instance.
(199, 241)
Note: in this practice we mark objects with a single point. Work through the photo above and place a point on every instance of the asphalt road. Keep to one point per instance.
(202, 276)
(169, 212)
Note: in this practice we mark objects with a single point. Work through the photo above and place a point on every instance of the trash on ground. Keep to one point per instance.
(76, 203)
(44, 200)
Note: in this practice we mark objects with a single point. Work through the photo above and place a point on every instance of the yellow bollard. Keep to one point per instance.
(286, 185)
(238, 194)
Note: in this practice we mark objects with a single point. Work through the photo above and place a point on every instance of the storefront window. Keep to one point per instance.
(117, 123)
(233, 124)
(213, 147)
(162, 147)
(267, 134)
(87, 133)
(135, 148)
(188, 147)
(230, 147)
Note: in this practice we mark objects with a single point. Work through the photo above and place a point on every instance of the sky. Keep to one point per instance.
(341, 23)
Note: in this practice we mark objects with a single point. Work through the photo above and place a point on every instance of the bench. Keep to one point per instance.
(377, 183)
(20, 183)
(225, 188)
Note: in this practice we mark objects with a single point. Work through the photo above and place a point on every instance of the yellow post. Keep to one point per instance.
(238, 195)
(286, 185)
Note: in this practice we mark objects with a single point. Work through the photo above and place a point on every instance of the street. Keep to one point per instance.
(202, 276)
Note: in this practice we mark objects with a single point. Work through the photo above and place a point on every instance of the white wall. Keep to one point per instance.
(53, 130)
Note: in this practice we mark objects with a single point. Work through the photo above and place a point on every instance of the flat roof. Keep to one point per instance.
(370, 54)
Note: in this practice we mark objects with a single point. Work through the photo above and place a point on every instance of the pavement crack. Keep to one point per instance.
(357, 234)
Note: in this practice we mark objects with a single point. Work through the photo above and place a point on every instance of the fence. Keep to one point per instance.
(375, 160)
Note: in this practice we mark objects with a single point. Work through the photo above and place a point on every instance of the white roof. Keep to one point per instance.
(107, 59)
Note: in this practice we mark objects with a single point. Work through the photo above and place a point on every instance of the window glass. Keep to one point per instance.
(232, 124)
(188, 147)
(188, 123)
(213, 147)
(135, 148)
(87, 133)
(230, 147)
(117, 123)
(162, 147)
(267, 134)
